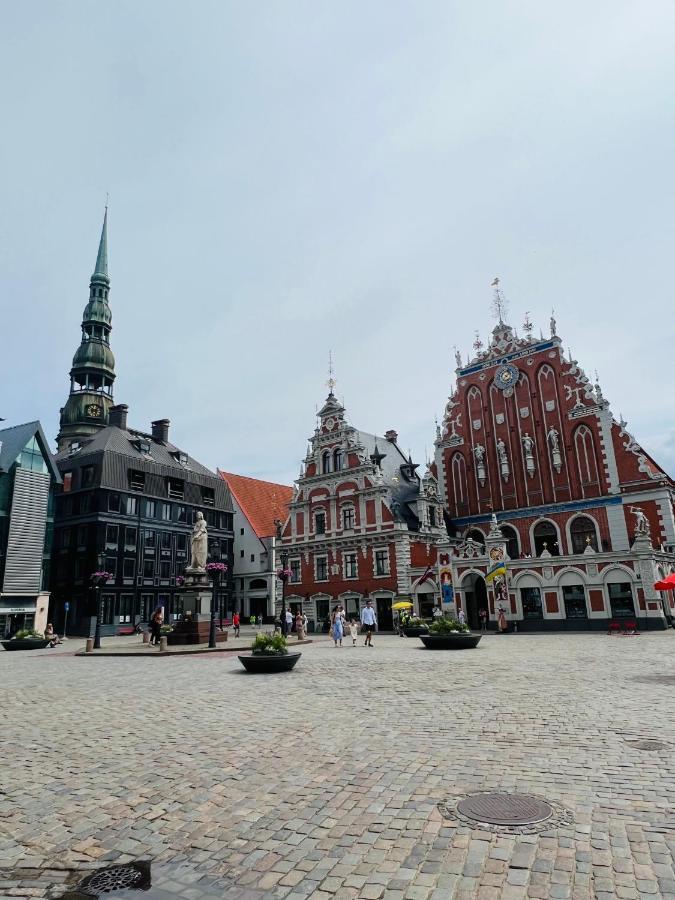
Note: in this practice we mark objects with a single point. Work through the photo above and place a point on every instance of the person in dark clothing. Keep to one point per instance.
(156, 625)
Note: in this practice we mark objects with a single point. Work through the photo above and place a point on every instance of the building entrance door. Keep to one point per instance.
(385, 616)
(475, 598)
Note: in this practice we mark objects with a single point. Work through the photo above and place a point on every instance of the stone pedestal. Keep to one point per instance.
(195, 624)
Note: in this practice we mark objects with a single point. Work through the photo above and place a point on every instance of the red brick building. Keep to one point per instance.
(361, 524)
(585, 515)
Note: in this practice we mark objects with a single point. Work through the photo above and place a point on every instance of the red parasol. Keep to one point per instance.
(667, 583)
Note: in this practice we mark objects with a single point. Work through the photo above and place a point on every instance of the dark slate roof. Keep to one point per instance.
(112, 439)
(13, 440)
(404, 494)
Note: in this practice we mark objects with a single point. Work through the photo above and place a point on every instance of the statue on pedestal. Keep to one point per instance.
(199, 543)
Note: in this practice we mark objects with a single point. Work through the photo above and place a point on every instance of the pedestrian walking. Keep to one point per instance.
(461, 617)
(156, 621)
(483, 616)
(353, 631)
(236, 622)
(298, 626)
(369, 621)
(289, 621)
(336, 624)
(304, 623)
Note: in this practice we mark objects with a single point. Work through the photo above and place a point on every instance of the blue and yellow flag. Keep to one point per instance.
(499, 568)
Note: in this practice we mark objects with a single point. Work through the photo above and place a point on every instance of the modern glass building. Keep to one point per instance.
(28, 475)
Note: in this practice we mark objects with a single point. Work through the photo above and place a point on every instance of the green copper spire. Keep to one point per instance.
(102, 258)
(93, 370)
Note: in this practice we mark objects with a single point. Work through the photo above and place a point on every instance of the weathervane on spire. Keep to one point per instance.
(499, 304)
(331, 379)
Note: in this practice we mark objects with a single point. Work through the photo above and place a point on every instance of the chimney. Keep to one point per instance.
(118, 416)
(160, 431)
(391, 436)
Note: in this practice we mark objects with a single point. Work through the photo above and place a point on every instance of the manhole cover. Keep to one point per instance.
(647, 744)
(135, 876)
(505, 809)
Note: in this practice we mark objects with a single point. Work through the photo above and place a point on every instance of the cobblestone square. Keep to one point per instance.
(326, 782)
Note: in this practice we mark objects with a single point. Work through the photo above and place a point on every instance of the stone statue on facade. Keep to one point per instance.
(501, 451)
(553, 325)
(199, 543)
(528, 444)
(553, 438)
(458, 359)
(641, 521)
(479, 452)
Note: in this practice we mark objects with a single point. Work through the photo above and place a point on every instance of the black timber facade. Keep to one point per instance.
(132, 496)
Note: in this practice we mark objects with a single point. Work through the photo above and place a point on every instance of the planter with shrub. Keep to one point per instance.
(269, 654)
(27, 639)
(450, 634)
(415, 627)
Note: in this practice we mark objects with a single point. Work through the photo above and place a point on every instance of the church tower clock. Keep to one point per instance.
(93, 370)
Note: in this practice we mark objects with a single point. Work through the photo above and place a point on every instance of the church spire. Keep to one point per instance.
(93, 370)
(101, 269)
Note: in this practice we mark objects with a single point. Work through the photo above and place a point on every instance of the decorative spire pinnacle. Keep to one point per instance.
(376, 457)
(499, 304)
(101, 269)
(527, 325)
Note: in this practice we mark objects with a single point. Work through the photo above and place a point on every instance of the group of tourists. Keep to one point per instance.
(367, 623)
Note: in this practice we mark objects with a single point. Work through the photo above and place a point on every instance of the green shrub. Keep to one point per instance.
(448, 626)
(28, 633)
(166, 629)
(270, 644)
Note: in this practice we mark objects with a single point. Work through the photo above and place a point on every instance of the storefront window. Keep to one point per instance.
(574, 597)
(530, 598)
(621, 599)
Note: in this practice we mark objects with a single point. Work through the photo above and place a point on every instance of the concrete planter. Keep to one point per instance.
(269, 663)
(415, 632)
(25, 644)
(459, 641)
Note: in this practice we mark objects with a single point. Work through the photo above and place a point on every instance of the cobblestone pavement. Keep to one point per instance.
(325, 782)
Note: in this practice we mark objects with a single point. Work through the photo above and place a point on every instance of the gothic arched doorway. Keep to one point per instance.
(475, 598)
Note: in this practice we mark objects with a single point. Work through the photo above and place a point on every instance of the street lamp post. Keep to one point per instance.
(99, 578)
(283, 574)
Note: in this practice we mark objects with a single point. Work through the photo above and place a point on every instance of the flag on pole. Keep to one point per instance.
(499, 568)
(427, 575)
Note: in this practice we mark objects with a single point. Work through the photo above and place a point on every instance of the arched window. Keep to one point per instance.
(337, 459)
(512, 542)
(325, 462)
(545, 538)
(476, 535)
(583, 534)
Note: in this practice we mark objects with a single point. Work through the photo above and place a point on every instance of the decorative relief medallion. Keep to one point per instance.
(497, 553)
(524, 412)
(550, 405)
(499, 418)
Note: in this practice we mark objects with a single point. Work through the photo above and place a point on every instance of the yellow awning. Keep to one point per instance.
(402, 604)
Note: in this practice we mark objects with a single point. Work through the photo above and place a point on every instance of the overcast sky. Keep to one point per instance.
(289, 177)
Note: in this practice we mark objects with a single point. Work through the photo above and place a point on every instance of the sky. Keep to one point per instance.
(292, 178)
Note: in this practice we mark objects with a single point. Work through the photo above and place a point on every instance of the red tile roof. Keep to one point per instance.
(261, 501)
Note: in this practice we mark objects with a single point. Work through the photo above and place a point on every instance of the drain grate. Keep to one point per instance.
(647, 744)
(134, 876)
(500, 811)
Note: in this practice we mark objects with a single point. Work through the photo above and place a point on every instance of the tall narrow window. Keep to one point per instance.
(320, 523)
(348, 517)
(325, 462)
(337, 459)
(381, 562)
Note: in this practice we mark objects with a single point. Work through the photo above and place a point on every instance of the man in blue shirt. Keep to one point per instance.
(368, 621)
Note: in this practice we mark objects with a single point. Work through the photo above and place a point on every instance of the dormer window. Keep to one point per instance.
(142, 445)
(208, 496)
(181, 458)
(136, 480)
(175, 488)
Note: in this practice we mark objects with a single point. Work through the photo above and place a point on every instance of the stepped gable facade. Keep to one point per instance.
(362, 524)
(532, 464)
